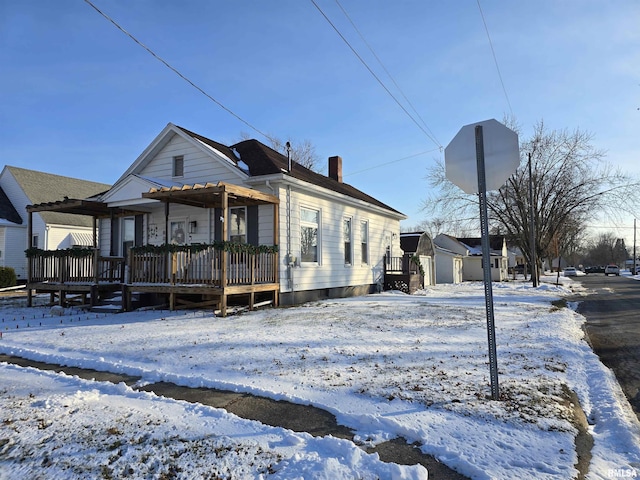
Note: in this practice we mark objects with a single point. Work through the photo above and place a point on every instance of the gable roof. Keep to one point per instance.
(40, 187)
(495, 242)
(7, 210)
(262, 160)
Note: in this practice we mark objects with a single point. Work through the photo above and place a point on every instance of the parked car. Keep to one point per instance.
(611, 270)
(519, 269)
(597, 269)
(570, 272)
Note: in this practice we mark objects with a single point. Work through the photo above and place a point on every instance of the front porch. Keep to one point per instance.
(175, 275)
(403, 273)
(194, 276)
(202, 276)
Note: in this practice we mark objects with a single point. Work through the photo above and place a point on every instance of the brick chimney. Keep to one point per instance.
(335, 168)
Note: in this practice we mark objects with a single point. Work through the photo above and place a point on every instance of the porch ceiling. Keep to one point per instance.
(81, 207)
(211, 195)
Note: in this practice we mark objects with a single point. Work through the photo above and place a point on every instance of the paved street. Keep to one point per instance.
(613, 326)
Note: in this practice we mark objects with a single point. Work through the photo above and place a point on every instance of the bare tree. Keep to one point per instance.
(601, 249)
(571, 184)
(302, 152)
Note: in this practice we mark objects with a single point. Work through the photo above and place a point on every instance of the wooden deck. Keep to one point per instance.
(401, 273)
(188, 277)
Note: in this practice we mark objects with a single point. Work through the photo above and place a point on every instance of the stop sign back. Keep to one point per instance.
(501, 153)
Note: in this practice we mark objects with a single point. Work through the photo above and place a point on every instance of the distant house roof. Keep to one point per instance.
(409, 241)
(74, 239)
(40, 187)
(7, 210)
(495, 242)
(262, 160)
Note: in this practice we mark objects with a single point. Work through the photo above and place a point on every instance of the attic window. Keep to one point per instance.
(178, 166)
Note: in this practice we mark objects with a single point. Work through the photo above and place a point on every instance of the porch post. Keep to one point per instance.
(112, 243)
(95, 232)
(29, 260)
(166, 223)
(276, 239)
(225, 255)
(166, 239)
(96, 266)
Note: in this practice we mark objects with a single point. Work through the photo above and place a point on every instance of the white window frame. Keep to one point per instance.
(318, 240)
(178, 160)
(131, 241)
(347, 240)
(175, 236)
(231, 222)
(364, 242)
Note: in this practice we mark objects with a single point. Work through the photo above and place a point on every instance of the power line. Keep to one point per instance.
(374, 75)
(386, 70)
(176, 71)
(186, 79)
(393, 161)
(495, 59)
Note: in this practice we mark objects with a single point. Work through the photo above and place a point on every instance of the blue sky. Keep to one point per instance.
(79, 98)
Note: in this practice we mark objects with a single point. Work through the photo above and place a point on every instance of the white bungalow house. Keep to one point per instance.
(239, 220)
(20, 187)
(471, 251)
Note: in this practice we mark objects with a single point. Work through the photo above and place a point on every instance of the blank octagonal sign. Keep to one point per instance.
(501, 156)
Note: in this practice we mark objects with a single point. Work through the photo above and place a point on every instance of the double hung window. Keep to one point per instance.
(346, 236)
(309, 235)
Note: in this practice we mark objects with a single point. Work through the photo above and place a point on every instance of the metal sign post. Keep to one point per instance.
(464, 158)
(486, 264)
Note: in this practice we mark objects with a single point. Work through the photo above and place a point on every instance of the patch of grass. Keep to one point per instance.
(558, 304)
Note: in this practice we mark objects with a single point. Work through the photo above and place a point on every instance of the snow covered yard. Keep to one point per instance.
(386, 365)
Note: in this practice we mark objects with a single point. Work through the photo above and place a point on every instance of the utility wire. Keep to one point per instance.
(393, 161)
(177, 72)
(174, 70)
(387, 71)
(374, 75)
(495, 59)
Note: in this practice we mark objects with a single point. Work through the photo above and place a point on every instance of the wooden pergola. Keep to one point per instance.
(76, 206)
(215, 195)
(210, 195)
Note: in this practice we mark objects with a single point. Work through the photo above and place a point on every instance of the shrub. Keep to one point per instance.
(7, 277)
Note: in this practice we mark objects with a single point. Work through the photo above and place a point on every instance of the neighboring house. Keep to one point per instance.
(421, 245)
(20, 187)
(471, 251)
(188, 190)
(449, 266)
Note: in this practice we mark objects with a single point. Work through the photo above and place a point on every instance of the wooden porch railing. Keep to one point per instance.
(203, 267)
(67, 266)
(401, 273)
(181, 267)
(400, 265)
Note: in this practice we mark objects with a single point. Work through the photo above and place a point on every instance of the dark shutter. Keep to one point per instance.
(252, 225)
(139, 231)
(115, 235)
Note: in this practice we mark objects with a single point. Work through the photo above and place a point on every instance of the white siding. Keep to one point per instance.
(331, 270)
(104, 236)
(14, 243)
(199, 167)
(265, 225)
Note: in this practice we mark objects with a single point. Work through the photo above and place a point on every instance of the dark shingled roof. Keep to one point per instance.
(495, 242)
(40, 187)
(7, 210)
(263, 160)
